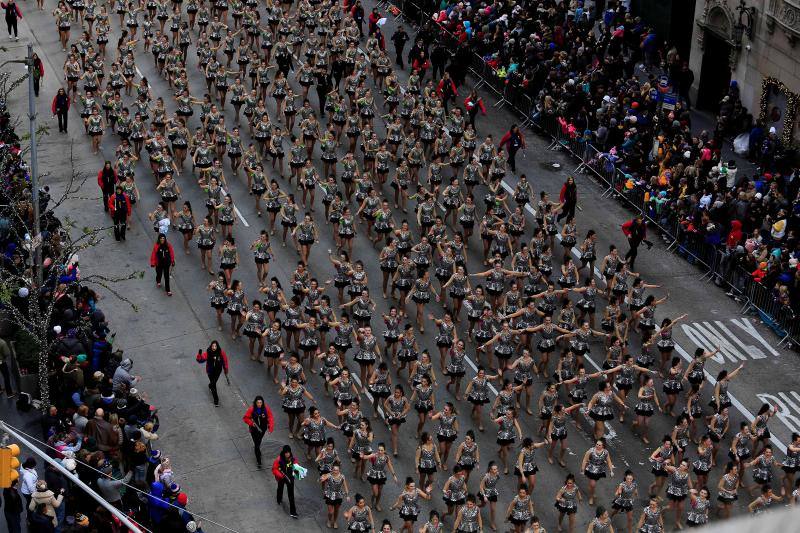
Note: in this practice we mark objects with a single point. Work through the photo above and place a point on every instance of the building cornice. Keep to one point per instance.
(784, 14)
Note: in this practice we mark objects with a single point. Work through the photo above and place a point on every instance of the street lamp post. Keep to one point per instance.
(34, 167)
(37, 248)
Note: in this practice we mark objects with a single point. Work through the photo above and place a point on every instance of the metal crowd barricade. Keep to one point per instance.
(778, 317)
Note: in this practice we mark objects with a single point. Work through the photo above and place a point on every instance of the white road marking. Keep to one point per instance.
(785, 406)
(746, 325)
(709, 335)
(743, 324)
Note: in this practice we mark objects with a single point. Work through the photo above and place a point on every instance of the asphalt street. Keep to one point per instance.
(210, 447)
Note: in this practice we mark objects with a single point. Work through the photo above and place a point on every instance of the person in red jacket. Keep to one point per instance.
(446, 89)
(283, 470)
(636, 232)
(759, 273)
(216, 363)
(373, 19)
(119, 204)
(474, 104)
(260, 421)
(162, 258)
(421, 64)
(106, 180)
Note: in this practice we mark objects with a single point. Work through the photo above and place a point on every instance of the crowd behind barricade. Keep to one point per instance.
(98, 426)
(600, 82)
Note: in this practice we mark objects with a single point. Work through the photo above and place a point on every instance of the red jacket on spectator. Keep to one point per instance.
(154, 262)
(735, 235)
(111, 203)
(758, 274)
(248, 417)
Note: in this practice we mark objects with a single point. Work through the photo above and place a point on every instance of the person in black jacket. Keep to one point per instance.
(338, 66)
(106, 180)
(416, 50)
(216, 363)
(12, 15)
(358, 15)
(324, 85)
(120, 206)
(60, 109)
(459, 64)
(12, 508)
(283, 470)
(400, 38)
(439, 57)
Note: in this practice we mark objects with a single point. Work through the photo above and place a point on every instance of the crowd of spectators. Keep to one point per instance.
(598, 76)
(97, 424)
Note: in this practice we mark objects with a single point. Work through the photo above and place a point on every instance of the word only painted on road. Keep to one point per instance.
(788, 404)
(737, 338)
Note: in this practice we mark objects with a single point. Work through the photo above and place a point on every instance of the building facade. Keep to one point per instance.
(757, 44)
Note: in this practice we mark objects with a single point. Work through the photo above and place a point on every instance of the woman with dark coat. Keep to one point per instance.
(60, 109)
(260, 421)
(216, 363)
(13, 14)
(283, 470)
(568, 199)
(106, 180)
(119, 205)
(162, 258)
(513, 140)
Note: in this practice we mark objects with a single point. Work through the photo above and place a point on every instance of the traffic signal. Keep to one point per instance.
(9, 465)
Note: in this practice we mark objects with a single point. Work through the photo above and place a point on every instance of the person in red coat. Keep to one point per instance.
(636, 232)
(162, 258)
(373, 19)
(259, 421)
(421, 64)
(216, 363)
(283, 470)
(474, 104)
(446, 89)
(119, 204)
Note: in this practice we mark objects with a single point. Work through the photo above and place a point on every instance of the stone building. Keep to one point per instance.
(754, 42)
